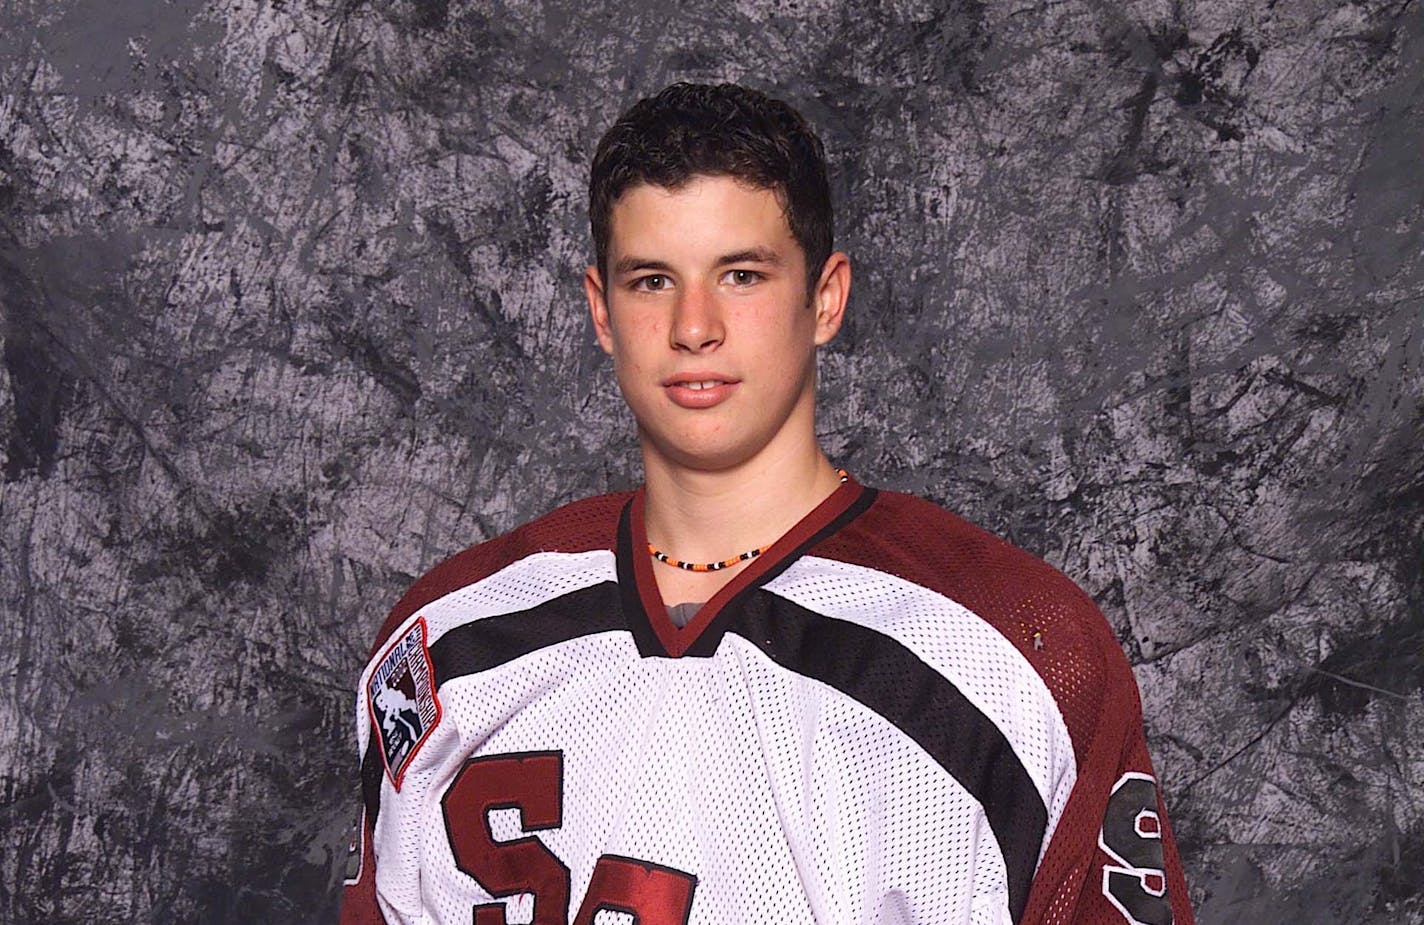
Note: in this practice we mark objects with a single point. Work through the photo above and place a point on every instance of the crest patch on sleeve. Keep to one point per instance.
(401, 695)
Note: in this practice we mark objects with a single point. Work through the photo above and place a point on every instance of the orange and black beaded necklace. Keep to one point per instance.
(720, 564)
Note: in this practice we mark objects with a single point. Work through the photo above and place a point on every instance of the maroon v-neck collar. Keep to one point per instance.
(655, 632)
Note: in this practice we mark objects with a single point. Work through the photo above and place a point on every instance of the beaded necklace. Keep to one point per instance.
(717, 566)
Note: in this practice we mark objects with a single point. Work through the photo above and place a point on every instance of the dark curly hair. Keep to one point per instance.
(689, 130)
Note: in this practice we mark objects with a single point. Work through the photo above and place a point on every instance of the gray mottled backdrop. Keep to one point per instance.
(291, 311)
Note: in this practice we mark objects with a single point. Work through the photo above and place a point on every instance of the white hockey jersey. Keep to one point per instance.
(890, 716)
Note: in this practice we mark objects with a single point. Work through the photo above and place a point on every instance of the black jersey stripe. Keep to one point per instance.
(488, 643)
(888, 678)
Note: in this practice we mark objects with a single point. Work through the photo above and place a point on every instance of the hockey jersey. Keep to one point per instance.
(890, 716)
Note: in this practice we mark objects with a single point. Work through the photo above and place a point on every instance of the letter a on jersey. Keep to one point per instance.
(402, 700)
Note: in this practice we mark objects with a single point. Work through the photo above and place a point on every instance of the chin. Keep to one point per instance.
(702, 455)
(705, 459)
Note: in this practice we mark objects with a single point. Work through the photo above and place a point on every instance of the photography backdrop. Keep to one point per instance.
(291, 311)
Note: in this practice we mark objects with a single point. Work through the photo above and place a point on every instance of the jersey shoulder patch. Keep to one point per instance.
(402, 699)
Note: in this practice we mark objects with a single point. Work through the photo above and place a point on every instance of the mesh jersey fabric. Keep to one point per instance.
(890, 716)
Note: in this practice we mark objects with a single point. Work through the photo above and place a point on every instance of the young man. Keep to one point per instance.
(753, 690)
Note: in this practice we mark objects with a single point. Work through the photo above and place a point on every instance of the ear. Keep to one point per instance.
(598, 308)
(830, 295)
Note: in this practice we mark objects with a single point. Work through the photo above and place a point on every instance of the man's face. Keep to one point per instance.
(706, 314)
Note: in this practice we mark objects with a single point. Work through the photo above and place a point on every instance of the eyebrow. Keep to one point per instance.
(626, 265)
(751, 255)
(761, 255)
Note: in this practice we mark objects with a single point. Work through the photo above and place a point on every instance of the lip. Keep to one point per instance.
(681, 392)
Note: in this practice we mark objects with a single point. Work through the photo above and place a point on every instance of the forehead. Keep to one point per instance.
(705, 211)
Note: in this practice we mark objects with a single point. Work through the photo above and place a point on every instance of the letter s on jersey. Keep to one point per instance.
(1132, 836)
(533, 783)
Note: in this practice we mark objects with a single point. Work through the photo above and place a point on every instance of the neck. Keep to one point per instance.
(706, 515)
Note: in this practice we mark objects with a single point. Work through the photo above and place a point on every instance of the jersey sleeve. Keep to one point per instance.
(358, 894)
(1112, 859)
(584, 525)
(359, 903)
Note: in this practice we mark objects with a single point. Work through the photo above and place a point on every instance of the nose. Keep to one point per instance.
(697, 321)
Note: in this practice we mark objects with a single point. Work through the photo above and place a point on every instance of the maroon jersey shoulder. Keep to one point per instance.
(581, 526)
(1053, 622)
(923, 543)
